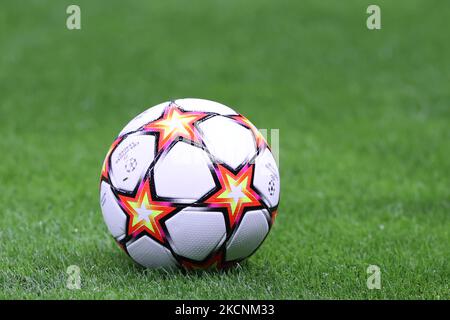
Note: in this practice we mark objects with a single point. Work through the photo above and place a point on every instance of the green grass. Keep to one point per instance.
(364, 119)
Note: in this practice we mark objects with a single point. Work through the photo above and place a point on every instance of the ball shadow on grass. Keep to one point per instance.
(184, 272)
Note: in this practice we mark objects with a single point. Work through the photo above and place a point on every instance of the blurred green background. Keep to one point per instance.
(364, 119)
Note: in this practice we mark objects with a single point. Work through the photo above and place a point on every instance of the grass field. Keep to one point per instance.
(364, 119)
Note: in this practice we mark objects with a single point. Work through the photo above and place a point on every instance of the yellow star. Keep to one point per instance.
(174, 124)
(145, 213)
(235, 193)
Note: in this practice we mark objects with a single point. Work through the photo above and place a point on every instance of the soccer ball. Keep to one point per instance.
(189, 183)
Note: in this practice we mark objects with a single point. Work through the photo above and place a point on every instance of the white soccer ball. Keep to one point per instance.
(189, 183)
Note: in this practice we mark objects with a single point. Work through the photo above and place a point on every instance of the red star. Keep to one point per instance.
(215, 262)
(174, 124)
(105, 167)
(274, 215)
(260, 140)
(235, 193)
(144, 213)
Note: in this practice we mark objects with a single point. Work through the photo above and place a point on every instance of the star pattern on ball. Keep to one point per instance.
(144, 213)
(105, 166)
(274, 215)
(235, 192)
(176, 124)
(260, 140)
(215, 262)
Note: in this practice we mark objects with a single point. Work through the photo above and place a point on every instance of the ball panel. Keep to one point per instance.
(183, 173)
(195, 234)
(150, 254)
(248, 235)
(113, 215)
(267, 178)
(191, 104)
(130, 160)
(229, 142)
(145, 117)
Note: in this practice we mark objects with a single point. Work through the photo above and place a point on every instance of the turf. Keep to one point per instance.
(364, 121)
